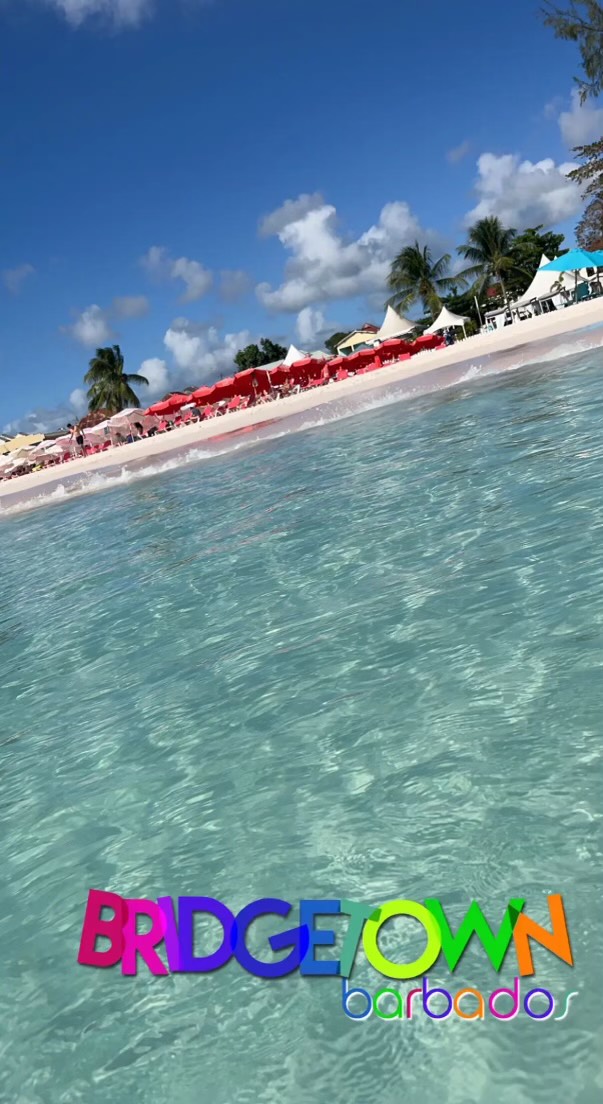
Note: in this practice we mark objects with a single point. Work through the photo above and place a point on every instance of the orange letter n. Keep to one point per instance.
(556, 941)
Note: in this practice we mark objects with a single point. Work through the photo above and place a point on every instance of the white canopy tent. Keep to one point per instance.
(447, 320)
(394, 325)
(294, 355)
(543, 283)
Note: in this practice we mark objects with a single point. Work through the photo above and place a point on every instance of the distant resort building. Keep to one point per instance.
(549, 291)
(358, 339)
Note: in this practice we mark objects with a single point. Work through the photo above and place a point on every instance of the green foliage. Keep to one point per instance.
(271, 351)
(463, 303)
(108, 385)
(253, 356)
(416, 277)
(333, 341)
(249, 357)
(526, 253)
(488, 248)
(581, 22)
(590, 172)
(589, 231)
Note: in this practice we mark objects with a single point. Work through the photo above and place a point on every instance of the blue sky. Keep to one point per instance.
(183, 176)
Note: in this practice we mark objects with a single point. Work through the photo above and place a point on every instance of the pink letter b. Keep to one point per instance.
(94, 926)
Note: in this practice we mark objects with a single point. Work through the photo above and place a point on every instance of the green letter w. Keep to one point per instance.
(495, 946)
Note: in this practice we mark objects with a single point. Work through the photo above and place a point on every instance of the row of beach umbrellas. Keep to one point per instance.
(257, 381)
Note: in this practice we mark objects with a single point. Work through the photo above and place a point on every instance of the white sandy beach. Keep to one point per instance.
(475, 351)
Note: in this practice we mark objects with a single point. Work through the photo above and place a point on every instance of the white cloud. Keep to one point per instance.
(78, 400)
(45, 420)
(196, 278)
(91, 328)
(122, 13)
(156, 371)
(458, 152)
(14, 278)
(234, 283)
(156, 261)
(582, 123)
(524, 193)
(292, 210)
(200, 353)
(324, 265)
(311, 324)
(131, 306)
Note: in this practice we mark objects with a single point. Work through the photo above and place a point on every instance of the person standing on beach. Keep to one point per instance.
(72, 438)
(80, 441)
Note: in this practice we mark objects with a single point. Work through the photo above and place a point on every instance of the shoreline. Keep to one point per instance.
(425, 372)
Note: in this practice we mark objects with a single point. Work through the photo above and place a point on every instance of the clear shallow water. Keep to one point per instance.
(361, 661)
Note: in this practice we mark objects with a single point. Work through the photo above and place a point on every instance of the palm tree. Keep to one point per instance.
(109, 386)
(415, 275)
(488, 247)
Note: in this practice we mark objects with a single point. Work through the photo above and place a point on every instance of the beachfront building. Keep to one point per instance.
(358, 339)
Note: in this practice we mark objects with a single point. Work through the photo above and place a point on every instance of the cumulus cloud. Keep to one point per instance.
(457, 153)
(323, 264)
(234, 284)
(14, 278)
(44, 420)
(292, 210)
(122, 13)
(78, 400)
(196, 278)
(131, 306)
(156, 372)
(200, 353)
(524, 193)
(91, 328)
(582, 123)
(311, 325)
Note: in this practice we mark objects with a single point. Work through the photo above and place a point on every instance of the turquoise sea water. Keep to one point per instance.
(361, 661)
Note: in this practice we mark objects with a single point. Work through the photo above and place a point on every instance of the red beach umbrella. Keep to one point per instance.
(393, 346)
(280, 375)
(252, 380)
(367, 356)
(176, 401)
(203, 394)
(300, 370)
(354, 362)
(159, 408)
(225, 388)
